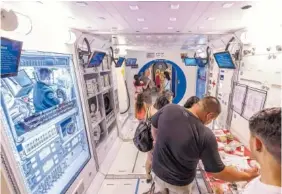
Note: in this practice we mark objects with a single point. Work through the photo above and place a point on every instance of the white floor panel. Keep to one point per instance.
(128, 130)
(143, 187)
(124, 162)
(140, 163)
(118, 186)
(111, 156)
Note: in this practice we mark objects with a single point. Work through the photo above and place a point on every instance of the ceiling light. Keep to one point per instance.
(170, 28)
(133, 7)
(140, 19)
(137, 36)
(174, 6)
(101, 18)
(210, 18)
(169, 36)
(148, 36)
(172, 19)
(145, 28)
(201, 27)
(159, 37)
(246, 7)
(227, 5)
(81, 3)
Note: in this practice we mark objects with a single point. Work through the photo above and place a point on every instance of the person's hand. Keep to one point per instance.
(252, 173)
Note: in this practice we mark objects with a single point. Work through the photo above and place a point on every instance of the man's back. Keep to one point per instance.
(181, 142)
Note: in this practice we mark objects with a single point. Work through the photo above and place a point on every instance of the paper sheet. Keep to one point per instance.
(254, 102)
(238, 97)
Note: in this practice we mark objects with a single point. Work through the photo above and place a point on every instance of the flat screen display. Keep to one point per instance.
(43, 109)
(190, 61)
(120, 61)
(224, 60)
(130, 61)
(10, 57)
(96, 59)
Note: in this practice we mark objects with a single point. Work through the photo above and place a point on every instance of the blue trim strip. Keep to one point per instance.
(137, 186)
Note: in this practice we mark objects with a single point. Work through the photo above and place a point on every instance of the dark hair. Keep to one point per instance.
(267, 125)
(161, 102)
(167, 76)
(139, 102)
(44, 73)
(137, 80)
(211, 104)
(191, 101)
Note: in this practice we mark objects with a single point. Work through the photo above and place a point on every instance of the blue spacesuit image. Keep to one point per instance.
(44, 96)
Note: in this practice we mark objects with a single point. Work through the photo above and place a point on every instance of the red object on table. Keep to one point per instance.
(214, 183)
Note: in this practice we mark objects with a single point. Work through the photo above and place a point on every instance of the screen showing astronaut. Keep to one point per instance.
(37, 95)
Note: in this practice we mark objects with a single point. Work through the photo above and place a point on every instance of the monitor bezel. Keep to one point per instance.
(93, 53)
(234, 66)
(18, 58)
(119, 65)
(190, 65)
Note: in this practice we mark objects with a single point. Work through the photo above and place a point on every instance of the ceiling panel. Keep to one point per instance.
(115, 18)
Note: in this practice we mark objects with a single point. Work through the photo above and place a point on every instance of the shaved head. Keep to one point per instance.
(207, 109)
(210, 104)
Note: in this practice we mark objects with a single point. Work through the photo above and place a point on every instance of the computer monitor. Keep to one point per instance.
(96, 59)
(120, 61)
(224, 60)
(20, 85)
(190, 61)
(10, 57)
(130, 61)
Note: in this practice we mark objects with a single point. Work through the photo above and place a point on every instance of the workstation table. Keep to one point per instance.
(238, 157)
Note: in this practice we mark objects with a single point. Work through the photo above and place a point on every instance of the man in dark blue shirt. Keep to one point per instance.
(182, 139)
(44, 96)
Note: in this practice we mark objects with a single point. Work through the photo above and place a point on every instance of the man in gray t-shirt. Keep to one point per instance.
(147, 87)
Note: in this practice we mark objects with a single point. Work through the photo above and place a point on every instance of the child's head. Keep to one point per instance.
(191, 101)
(137, 80)
(136, 77)
(158, 72)
(139, 101)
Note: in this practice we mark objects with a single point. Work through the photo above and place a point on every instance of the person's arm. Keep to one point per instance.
(231, 174)
(214, 165)
(154, 128)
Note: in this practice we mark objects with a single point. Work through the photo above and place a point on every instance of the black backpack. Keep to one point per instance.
(143, 139)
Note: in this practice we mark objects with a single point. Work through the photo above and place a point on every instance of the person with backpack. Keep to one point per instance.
(161, 101)
(140, 107)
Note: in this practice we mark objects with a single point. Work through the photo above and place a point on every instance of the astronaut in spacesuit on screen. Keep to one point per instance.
(44, 96)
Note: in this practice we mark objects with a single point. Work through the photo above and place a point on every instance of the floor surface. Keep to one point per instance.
(123, 170)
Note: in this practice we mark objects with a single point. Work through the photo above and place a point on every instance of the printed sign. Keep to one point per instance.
(150, 55)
